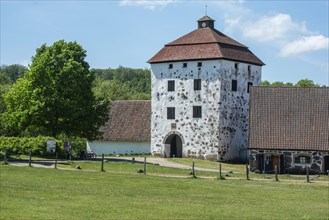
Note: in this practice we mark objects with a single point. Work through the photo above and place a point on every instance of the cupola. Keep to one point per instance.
(206, 21)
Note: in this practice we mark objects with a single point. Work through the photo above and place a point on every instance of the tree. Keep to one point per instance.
(14, 71)
(122, 84)
(55, 96)
(301, 83)
(306, 83)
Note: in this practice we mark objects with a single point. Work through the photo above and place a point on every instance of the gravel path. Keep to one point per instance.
(160, 161)
(163, 162)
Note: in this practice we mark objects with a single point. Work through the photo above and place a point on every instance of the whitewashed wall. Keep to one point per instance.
(118, 147)
(215, 135)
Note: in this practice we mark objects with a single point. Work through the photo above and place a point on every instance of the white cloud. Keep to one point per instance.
(305, 44)
(148, 4)
(277, 27)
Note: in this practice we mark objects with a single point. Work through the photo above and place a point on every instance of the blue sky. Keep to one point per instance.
(291, 37)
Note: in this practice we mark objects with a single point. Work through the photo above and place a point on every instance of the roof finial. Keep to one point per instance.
(206, 8)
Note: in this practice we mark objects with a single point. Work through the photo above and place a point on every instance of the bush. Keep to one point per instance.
(38, 145)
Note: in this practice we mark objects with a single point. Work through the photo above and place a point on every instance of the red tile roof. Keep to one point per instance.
(289, 118)
(128, 121)
(205, 43)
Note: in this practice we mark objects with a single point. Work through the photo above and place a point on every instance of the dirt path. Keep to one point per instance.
(162, 162)
(159, 161)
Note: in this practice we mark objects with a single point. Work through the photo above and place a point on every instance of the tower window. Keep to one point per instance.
(199, 64)
(197, 112)
(249, 70)
(234, 85)
(170, 66)
(171, 85)
(171, 113)
(197, 84)
(248, 86)
(236, 68)
(184, 65)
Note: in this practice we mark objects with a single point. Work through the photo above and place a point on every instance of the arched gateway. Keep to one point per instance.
(173, 145)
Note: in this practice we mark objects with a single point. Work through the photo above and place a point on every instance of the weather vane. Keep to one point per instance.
(206, 8)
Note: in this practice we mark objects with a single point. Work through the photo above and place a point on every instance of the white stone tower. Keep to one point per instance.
(200, 95)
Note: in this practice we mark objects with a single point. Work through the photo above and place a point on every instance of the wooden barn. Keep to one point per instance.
(128, 130)
(289, 129)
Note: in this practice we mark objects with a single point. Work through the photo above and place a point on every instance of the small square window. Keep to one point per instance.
(171, 85)
(248, 86)
(199, 64)
(197, 112)
(171, 113)
(184, 65)
(170, 66)
(234, 85)
(197, 84)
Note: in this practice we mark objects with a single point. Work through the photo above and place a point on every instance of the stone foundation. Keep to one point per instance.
(260, 161)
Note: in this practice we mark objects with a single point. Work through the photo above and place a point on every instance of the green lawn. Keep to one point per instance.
(36, 193)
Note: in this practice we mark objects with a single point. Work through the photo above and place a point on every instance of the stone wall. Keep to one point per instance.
(234, 110)
(224, 123)
(316, 164)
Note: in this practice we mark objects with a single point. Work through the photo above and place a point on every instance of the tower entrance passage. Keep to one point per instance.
(173, 146)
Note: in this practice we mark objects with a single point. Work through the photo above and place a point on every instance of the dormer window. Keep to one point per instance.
(170, 66)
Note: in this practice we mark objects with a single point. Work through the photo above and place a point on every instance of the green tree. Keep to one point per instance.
(122, 84)
(55, 96)
(14, 71)
(306, 83)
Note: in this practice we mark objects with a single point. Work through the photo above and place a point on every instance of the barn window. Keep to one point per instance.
(248, 86)
(303, 159)
(234, 85)
(171, 113)
(170, 66)
(197, 112)
(171, 85)
(184, 65)
(197, 84)
(199, 64)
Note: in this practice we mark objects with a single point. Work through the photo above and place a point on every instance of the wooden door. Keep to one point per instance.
(276, 162)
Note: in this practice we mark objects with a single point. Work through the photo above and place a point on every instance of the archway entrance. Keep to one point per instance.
(173, 146)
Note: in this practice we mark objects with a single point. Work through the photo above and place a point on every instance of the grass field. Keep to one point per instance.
(36, 193)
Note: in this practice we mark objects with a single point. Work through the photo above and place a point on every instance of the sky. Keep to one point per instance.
(290, 37)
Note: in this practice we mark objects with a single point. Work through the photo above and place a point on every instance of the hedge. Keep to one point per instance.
(38, 145)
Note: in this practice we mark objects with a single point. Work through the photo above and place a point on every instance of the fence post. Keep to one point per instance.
(56, 160)
(276, 173)
(102, 168)
(193, 172)
(6, 160)
(144, 165)
(220, 170)
(247, 171)
(307, 174)
(30, 160)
